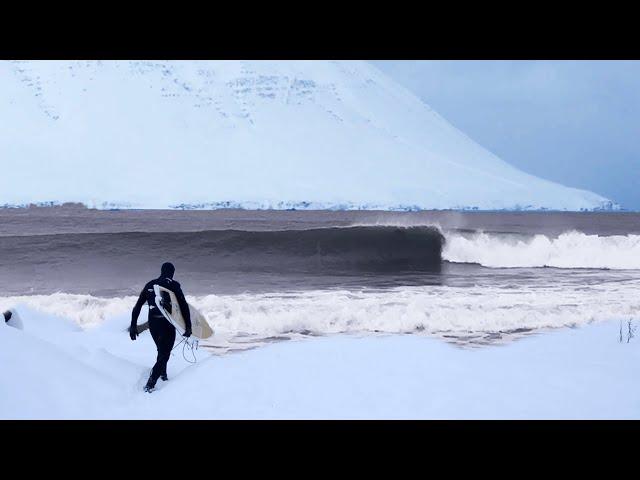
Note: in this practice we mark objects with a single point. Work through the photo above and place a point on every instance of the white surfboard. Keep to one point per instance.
(199, 327)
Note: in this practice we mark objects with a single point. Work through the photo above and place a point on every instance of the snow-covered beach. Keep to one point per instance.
(55, 370)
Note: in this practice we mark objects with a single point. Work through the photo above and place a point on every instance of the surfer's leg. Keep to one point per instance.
(168, 339)
(157, 333)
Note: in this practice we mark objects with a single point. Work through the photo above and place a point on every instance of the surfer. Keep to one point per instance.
(163, 332)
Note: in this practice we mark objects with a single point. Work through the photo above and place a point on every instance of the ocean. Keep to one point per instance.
(474, 279)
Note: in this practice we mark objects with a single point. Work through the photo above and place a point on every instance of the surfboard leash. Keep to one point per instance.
(192, 345)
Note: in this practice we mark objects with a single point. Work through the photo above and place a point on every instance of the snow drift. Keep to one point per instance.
(248, 134)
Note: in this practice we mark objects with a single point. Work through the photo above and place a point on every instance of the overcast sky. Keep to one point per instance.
(573, 122)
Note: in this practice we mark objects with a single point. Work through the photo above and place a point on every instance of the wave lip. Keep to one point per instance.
(568, 250)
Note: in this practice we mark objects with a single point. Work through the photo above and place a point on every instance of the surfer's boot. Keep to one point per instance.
(164, 377)
(150, 385)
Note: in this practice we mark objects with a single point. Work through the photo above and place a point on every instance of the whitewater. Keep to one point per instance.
(477, 315)
(568, 250)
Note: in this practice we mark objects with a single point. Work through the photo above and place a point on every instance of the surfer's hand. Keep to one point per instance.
(133, 332)
(187, 333)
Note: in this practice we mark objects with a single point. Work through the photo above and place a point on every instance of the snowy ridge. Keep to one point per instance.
(245, 134)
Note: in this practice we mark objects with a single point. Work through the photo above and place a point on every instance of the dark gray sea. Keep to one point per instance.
(76, 250)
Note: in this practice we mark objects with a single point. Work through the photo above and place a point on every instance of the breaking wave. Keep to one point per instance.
(569, 250)
(319, 249)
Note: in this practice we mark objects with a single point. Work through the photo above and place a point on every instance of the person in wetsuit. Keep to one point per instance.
(162, 331)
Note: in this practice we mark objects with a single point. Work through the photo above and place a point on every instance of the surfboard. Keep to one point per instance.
(199, 327)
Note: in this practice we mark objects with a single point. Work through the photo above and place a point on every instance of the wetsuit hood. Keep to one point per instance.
(167, 270)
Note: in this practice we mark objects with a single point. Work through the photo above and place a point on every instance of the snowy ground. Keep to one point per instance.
(53, 369)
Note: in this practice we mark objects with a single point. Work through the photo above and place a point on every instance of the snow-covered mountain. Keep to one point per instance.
(252, 134)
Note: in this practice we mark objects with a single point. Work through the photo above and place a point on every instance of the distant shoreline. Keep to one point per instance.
(71, 206)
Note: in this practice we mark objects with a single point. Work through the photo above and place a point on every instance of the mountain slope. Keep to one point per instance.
(255, 134)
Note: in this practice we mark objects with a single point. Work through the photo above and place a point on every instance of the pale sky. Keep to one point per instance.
(573, 122)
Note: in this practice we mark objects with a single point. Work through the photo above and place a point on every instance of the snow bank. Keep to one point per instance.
(54, 369)
(99, 373)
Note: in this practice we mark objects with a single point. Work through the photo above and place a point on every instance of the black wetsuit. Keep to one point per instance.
(163, 333)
